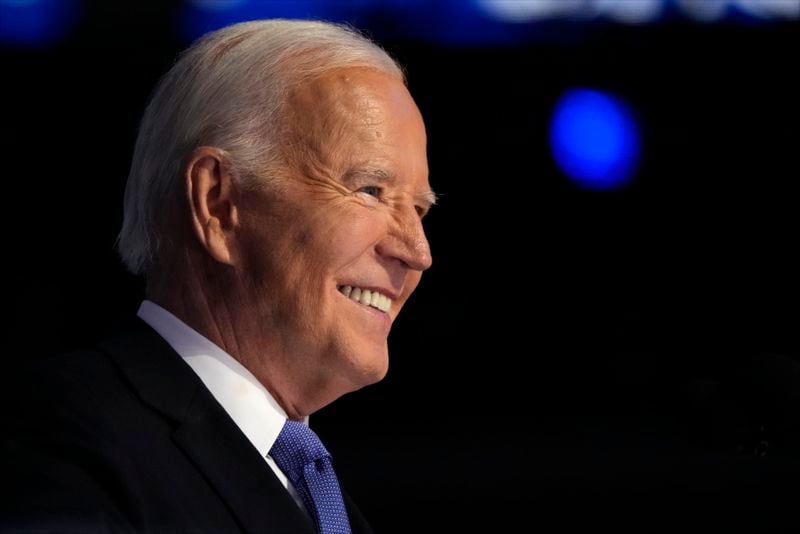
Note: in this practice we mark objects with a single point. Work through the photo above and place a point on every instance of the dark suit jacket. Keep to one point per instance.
(126, 438)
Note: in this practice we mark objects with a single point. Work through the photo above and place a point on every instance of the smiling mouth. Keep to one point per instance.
(374, 299)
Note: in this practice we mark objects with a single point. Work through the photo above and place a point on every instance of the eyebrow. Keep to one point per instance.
(428, 198)
(374, 173)
(425, 198)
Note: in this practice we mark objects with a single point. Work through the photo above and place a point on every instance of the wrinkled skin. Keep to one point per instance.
(347, 212)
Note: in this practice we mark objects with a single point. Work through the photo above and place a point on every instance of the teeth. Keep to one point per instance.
(367, 297)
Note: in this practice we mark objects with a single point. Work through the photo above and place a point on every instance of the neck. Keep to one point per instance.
(208, 299)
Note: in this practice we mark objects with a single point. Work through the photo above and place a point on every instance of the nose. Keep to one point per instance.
(406, 242)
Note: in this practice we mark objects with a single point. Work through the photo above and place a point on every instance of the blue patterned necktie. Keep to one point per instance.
(301, 456)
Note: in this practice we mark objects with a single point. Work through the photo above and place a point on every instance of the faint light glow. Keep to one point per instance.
(36, 22)
(202, 16)
(705, 10)
(532, 10)
(630, 12)
(715, 10)
(633, 11)
(594, 139)
(786, 9)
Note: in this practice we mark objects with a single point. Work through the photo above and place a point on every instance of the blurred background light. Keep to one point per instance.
(594, 139)
(717, 10)
(35, 23)
(705, 10)
(533, 10)
(632, 12)
(477, 22)
(766, 9)
(201, 16)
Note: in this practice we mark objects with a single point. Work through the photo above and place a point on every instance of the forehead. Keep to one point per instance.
(356, 118)
(355, 101)
(350, 89)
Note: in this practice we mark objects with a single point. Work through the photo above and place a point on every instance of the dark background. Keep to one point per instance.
(627, 358)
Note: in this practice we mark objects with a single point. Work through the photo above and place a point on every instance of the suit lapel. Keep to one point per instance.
(358, 524)
(238, 473)
(205, 432)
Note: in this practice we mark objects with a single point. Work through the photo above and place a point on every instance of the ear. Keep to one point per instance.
(212, 193)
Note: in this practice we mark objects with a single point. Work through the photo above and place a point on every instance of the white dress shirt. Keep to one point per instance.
(242, 396)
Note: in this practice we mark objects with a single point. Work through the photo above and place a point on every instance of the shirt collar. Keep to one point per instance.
(242, 396)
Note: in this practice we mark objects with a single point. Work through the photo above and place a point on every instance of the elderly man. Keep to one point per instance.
(274, 206)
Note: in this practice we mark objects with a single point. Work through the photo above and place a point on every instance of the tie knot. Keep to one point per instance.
(297, 446)
(303, 459)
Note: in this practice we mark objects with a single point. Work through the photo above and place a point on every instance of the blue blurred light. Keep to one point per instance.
(481, 22)
(201, 16)
(36, 22)
(594, 139)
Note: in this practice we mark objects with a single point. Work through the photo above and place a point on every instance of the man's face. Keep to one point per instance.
(342, 228)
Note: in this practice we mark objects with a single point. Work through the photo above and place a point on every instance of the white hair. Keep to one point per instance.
(227, 90)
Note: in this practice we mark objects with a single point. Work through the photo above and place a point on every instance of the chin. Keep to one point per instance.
(371, 369)
(379, 373)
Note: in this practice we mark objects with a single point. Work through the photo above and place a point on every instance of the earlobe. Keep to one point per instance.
(211, 191)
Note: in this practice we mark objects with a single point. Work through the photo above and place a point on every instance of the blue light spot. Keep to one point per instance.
(594, 139)
(36, 22)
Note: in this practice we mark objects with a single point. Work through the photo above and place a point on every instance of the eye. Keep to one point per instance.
(371, 190)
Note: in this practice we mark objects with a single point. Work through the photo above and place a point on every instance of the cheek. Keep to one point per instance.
(352, 233)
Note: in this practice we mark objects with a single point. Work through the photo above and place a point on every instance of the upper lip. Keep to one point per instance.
(387, 292)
